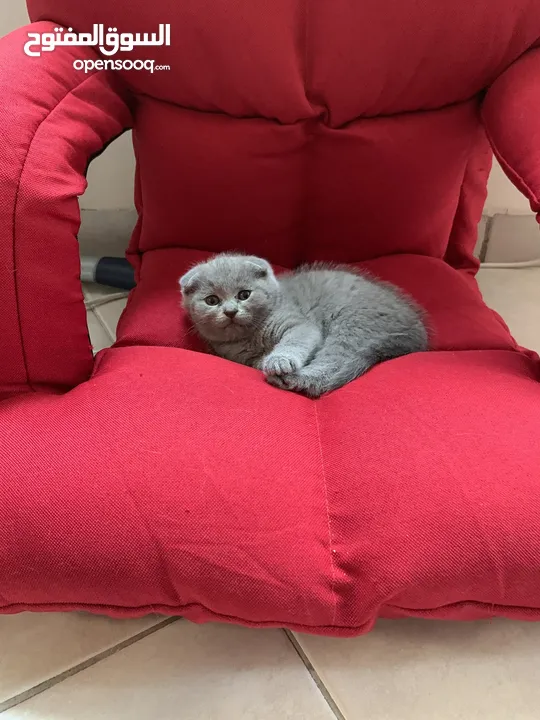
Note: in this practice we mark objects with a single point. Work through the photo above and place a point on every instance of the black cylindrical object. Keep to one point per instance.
(113, 271)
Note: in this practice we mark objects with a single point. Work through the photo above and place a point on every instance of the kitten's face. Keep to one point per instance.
(229, 296)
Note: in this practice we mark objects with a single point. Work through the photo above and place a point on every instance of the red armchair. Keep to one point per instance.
(160, 479)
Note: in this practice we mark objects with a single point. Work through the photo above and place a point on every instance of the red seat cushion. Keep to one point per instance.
(178, 482)
(457, 315)
(204, 491)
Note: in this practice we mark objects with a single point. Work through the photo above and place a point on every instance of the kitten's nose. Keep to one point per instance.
(231, 312)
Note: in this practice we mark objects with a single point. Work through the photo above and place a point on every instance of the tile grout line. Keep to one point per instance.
(102, 323)
(56, 679)
(93, 313)
(315, 676)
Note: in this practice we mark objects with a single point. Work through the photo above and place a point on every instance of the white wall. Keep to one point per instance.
(12, 15)
(503, 197)
(110, 177)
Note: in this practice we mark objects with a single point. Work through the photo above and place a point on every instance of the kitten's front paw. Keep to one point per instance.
(279, 381)
(276, 364)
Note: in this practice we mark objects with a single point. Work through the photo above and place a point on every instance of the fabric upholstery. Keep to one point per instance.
(162, 479)
(53, 119)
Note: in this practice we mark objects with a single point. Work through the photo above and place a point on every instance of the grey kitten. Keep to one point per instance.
(311, 331)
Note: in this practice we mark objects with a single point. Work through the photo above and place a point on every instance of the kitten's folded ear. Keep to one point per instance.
(188, 282)
(261, 267)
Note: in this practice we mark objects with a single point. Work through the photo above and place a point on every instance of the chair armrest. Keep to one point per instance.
(511, 116)
(53, 120)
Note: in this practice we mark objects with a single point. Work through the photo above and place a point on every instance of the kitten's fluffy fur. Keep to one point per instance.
(311, 331)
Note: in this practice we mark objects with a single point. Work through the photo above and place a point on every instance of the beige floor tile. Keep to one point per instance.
(86, 288)
(209, 672)
(99, 337)
(94, 291)
(38, 646)
(513, 238)
(515, 295)
(427, 670)
(110, 313)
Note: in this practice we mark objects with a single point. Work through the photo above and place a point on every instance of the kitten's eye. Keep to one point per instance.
(211, 300)
(243, 294)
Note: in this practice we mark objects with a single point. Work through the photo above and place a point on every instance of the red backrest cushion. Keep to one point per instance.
(303, 130)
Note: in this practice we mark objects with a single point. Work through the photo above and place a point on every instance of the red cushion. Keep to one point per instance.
(458, 317)
(206, 492)
(181, 483)
(177, 482)
(313, 130)
(53, 118)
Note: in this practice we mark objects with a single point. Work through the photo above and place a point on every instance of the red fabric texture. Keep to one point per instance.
(510, 103)
(177, 482)
(458, 317)
(53, 119)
